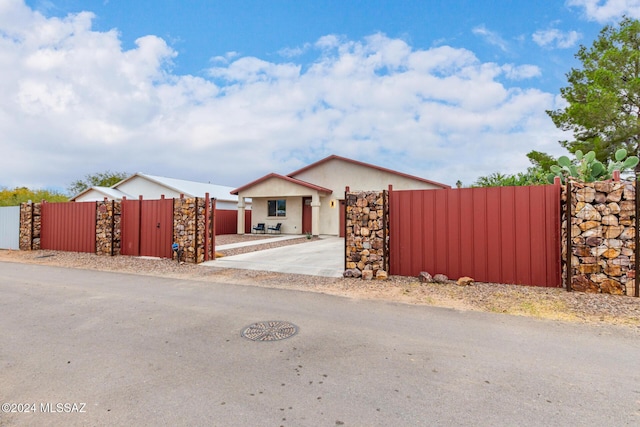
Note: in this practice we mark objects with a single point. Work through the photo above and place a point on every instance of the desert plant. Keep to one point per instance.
(587, 168)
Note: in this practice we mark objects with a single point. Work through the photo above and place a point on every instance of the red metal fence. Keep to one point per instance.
(227, 221)
(147, 228)
(500, 234)
(68, 227)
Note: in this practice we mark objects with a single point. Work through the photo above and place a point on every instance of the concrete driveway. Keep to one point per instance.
(324, 257)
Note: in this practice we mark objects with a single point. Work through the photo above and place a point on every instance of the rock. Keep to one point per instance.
(367, 275)
(603, 186)
(582, 284)
(381, 275)
(614, 208)
(588, 225)
(611, 253)
(440, 278)
(588, 213)
(352, 272)
(582, 250)
(629, 192)
(594, 232)
(610, 220)
(586, 194)
(594, 241)
(465, 281)
(611, 286)
(425, 277)
(613, 270)
(615, 196)
(628, 234)
(613, 231)
(589, 268)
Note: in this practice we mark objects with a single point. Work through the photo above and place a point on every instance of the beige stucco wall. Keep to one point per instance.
(291, 224)
(276, 188)
(337, 174)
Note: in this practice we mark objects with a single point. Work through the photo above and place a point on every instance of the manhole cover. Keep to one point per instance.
(273, 330)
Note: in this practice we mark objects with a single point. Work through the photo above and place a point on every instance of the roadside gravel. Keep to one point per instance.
(548, 303)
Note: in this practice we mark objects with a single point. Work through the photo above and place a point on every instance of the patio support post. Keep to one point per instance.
(241, 208)
(315, 214)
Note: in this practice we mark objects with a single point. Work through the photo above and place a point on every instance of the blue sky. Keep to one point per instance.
(227, 91)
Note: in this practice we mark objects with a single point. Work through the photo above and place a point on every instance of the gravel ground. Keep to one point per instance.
(549, 303)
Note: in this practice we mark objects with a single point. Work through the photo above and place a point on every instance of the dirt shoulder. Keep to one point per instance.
(547, 303)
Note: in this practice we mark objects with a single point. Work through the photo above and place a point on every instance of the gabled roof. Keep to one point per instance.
(109, 192)
(188, 188)
(285, 178)
(355, 162)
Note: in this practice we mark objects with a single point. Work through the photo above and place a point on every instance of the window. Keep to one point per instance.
(277, 207)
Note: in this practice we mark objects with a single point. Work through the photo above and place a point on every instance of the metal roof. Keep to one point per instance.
(109, 192)
(190, 188)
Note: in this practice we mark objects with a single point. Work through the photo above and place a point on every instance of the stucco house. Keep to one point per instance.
(153, 187)
(311, 200)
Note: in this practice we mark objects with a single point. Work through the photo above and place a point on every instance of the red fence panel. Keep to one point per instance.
(247, 222)
(68, 226)
(227, 221)
(130, 227)
(147, 228)
(499, 234)
(156, 231)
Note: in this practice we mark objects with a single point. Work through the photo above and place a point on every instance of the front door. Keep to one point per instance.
(306, 215)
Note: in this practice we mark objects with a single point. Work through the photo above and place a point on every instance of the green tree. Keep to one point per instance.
(603, 96)
(534, 175)
(541, 160)
(23, 194)
(100, 179)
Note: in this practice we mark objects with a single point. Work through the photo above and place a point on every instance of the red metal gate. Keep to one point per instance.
(147, 228)
(500, 234)
(68, 226)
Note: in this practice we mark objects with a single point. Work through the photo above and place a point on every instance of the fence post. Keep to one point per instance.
(569, 248)
(206, 226)
(31, 225)
(344, 257)
(213, 228)
(387, 229)
(195, 232)
(557, 182)
(113, 226)
(637, 238)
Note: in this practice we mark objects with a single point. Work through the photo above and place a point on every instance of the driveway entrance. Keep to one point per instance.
(324, 257)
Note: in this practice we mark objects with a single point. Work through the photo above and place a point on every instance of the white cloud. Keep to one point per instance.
(607, 10)
(556, 38)
(491, 37)
(73, 102)
(521, 72)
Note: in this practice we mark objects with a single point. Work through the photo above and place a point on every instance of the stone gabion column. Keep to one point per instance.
(603, 228)
(189, 228)
(108, 228)
(30, 226)
(367, 234)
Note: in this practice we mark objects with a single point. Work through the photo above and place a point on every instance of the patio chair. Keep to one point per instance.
(275, 229)
(259, 228)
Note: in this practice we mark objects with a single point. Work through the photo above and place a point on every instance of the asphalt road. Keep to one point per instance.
(135, 350)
